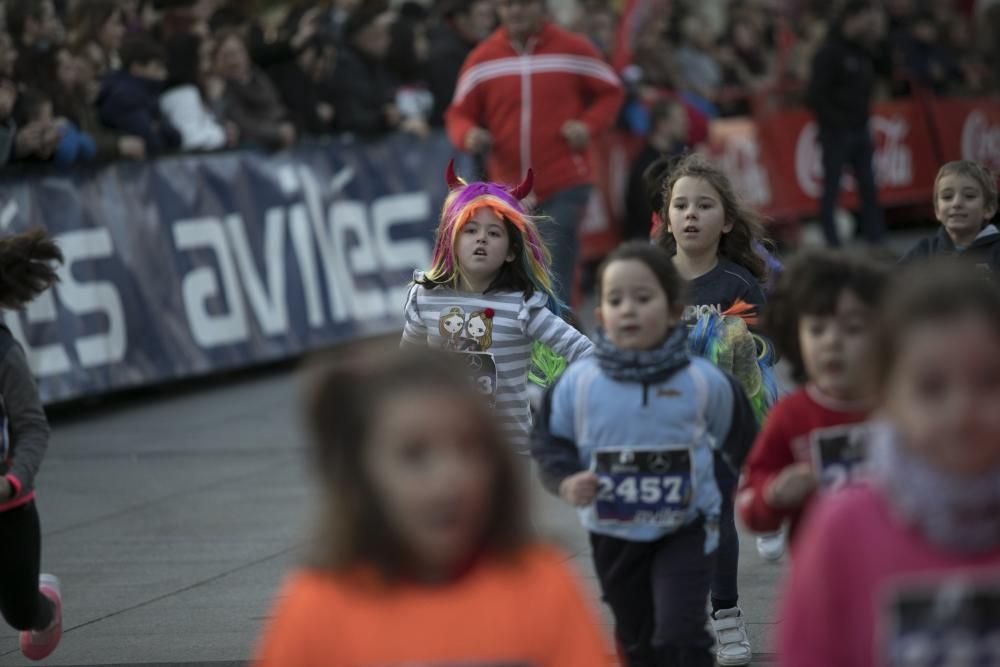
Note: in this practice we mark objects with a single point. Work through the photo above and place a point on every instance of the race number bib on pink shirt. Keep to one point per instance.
(643, 486)
(950, 623)
(840, 454)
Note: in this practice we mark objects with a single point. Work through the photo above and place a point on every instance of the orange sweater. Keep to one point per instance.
(530, 614)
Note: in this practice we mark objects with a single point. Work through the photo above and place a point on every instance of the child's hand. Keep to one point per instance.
(579, 489)
(791, 487)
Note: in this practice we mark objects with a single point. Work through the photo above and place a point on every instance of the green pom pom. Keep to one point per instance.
(546, 365)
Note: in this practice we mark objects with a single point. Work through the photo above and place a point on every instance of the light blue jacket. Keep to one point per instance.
(699, 408)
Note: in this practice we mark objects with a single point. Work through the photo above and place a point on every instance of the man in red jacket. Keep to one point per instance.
(533, 95)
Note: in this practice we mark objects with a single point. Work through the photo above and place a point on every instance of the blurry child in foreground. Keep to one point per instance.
(425, 558)
(906, 570)
(965, 201)
(822, 318)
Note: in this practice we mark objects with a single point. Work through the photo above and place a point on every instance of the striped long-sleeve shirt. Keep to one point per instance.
(496, 331)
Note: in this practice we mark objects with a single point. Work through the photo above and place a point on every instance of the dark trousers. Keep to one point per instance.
(21, 605)
(561, 234)
(854, 147)
(725, 576)
(657, 592)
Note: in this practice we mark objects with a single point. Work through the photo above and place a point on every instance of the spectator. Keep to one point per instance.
(97, 30)
(926, 59)
(653, 58)
(844, 74)
(68, 146)
(234, 15)
(407, 61)
(129, 100)
(747, 64)
(598, 24)
(364, 85)
(248, 98)
(34, 28)
(699, 71)
(183, 104)
(465, 24)
(8, 57)
(37, 134)
(534, 95)
(668, 137)
(8, 128)
(74, 92)
(306, 87)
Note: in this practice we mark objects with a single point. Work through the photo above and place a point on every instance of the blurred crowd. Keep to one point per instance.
(84, 80)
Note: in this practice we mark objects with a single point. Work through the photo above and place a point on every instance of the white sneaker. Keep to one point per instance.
(771, 547)
(732, 642)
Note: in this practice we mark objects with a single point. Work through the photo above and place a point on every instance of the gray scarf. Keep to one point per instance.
(643, 366)
(958, 514)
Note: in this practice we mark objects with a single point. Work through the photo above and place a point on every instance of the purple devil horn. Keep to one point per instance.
(524, 189)
(450, 177)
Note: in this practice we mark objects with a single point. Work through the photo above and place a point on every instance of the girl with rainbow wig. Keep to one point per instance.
(489, 295)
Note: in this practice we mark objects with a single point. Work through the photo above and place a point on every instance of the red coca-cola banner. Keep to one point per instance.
(968, 129)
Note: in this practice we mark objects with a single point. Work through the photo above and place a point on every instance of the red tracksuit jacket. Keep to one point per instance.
(524, 97)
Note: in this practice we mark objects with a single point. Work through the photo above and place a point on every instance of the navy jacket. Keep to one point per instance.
(131, 105)
(984, 251)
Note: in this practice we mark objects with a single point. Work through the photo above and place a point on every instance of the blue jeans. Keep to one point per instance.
(853, 146)
(566, 209)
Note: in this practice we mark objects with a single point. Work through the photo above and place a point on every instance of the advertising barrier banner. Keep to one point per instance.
(195, 264)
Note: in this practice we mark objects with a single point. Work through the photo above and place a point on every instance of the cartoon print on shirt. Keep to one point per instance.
(451, 323)
(479, 331)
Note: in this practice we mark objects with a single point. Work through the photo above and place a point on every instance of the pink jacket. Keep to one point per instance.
(856, 565)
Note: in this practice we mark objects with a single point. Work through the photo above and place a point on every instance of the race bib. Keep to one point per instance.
(840, 454)
(482, 369)
(950, 624)
(643, 486)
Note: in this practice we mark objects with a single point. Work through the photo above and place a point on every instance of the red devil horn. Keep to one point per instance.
(450, 177)
(524, 189)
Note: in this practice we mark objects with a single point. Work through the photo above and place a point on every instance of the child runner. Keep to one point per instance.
(29, 602)
(822, 318)
(488, 296)
(713, 239)
(906, 570)
(629, 436)
(965, 201)
(424, 558)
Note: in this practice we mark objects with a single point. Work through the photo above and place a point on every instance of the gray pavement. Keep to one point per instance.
(172, 517)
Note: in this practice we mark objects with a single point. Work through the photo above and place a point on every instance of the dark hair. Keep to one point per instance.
(88, 19)
(26, 267)
(401, 57)
(362, 16)
(738, 245)
(449, 9)
(342, 408)
(653, 178)
(16, 15)
(29, 104)
(141, 49)
(656, 259)
(936, 290)
(183, 60)
(849, 10)
(811, 284)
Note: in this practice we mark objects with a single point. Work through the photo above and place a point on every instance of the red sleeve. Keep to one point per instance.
(601, 85)
(771, 453)
(466, 109)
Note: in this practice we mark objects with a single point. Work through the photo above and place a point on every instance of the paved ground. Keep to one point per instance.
(172, 517)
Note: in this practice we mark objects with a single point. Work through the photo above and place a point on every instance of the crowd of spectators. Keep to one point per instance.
(84, 80)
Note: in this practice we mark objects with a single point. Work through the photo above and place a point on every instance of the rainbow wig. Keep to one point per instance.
(463, 201)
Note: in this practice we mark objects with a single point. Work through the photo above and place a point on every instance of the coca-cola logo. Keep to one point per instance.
(981, 140)
(893, 161)
(740, 160)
